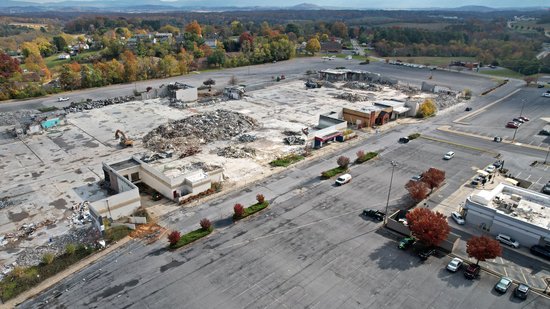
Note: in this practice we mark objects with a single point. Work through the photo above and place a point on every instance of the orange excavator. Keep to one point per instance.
(124, 141)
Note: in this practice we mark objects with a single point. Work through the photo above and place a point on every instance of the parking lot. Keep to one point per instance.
(492, 121)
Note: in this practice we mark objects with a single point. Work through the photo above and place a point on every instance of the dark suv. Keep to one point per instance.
(541, 251)
(375, 214)
(472, 271)
(426, 253)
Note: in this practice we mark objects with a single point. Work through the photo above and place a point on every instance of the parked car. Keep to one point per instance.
(518, 120)
(512, 125)
(521, 291)
(546, 94)
(490, 168)
(375, 214)
(343, 179)
(540, 86)
(454, 265)
(404, 140)
(540, 251)
(523, 118)
(62, 99)
(505, 239)
(503, 284)
(546, 188)
(498, 163)
(406, 242)
(449, 155)
(472, 271)
(457, 217)
(545, 132)
(497, 139)
(468, 109)
(416, 177)
(426, 253)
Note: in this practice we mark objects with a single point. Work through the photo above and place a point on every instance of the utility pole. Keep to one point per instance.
(393, 165)
(520, 114)
(547, 152)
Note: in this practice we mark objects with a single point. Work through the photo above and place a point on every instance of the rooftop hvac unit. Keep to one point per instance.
(516, 197)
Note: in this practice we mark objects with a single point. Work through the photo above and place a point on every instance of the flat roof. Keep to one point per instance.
(523, 204)
(122, 165)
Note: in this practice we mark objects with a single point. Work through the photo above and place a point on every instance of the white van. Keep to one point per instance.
(343, 179)
(449, 155)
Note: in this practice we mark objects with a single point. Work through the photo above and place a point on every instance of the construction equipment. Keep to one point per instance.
(124, 141)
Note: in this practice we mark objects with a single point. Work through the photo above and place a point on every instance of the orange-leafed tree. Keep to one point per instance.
(431, 228)
(418, 190)
(205, 224)
(174, 237)
(483, 248)
(194, 27)
(239, 211)
(433, 177)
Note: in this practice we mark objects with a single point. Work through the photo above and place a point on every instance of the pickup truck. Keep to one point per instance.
(375, 214)
(62, 99)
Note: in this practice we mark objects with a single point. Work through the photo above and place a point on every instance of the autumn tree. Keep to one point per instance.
(433, 177)
(418, 190)
(529, 80)
(8, 66)
(260, 198)
(343, 161)
(194, 27)
(431, 228)
(483, 248)
(339, 29)
(185, 60)
(69, 77)
(426, 109)
(233, 80)
(206, 224)
(174, 237)
(313, 46)
(238, 210)
(60, 43)
(130, 63)
(246, 36)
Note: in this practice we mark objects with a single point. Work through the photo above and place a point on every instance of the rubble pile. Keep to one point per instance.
(199, 129)
(444, 101)
(204, 166)
(25, 231)
(294, 140)
(247, 138)
(236, 152)
(87, 235)
(181, 105)
(362, 86)
(291, 133)
(5, 202)
(81, 214)
(14, 118)
(351, 97)
(190, 150)
(90, 104)
(328, 84)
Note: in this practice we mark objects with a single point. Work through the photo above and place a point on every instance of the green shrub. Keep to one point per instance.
(333, 172)
(48, 258)
(414, 136)
(366, 157)
(286, 160)
(70, 249)
(48, 109)
(116, 233)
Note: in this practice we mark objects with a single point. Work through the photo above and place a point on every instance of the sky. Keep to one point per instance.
(356, 3)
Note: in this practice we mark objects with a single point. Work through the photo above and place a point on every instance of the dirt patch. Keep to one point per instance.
(91, 144)
(59, 204)
(16, 217)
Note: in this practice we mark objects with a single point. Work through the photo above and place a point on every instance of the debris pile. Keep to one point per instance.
(291, 133)
(312, 84)
(294, 140)
(87, 236)
(90, 104)
(328, 84)
(199, 129)
(351, 97)
(362, 86)
(190, 150)
(444, 101)
(236, 152)
(247, 138)
(26, 231)
(204, 166)
(81, 214)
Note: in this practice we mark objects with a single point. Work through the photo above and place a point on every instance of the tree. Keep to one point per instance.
(60, 43)
(260, 198)
(467, 93)
(130, 63)
(483, 248)
(238, 210)
(343, 161)
(209, 82)
(217, 57)
(418, 190)
(529, 80)
(233, 80)
(194, 28)
(8, 66)
(205, 224)
(339, 29)
(433, 177)
(245, 36)
(69, 79)
(360, 154)
(174, 237)
(313, 46)
(431, 228)
(427, 109)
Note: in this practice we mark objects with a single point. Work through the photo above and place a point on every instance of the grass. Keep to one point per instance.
(333, 172)
(191, 237)
(52, 60)
(502, 73)
(414, 136)
(48, 109)
(248, 211)
(116, 233)
(286, 160)
(23, 279)
(368, 156)
(437, 61)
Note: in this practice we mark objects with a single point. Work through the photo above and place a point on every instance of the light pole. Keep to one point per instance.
(547, 152)
(520, 114)
(393, 165)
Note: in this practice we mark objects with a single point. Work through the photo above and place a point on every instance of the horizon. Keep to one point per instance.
(351, 4)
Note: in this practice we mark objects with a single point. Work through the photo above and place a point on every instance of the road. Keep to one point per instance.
(263, 73)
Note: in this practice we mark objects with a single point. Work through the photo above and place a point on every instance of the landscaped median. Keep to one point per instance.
(240, 212)
(363, 157)
(286, 160)
(176, 240)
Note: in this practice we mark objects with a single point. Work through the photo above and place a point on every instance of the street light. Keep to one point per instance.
(520, 114)
(393, 165)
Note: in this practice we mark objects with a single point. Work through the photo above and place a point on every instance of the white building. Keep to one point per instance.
(520, 213)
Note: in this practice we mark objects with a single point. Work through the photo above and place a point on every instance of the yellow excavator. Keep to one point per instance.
(124, 141)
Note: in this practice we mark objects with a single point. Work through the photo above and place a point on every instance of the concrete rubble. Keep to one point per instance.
(362, 86)
(5, 202)
(81, 214)
(294, 140)
(75, 107)
(199, 129)
(247, 138)
(236, 152)
(14, 118)
(351, 97)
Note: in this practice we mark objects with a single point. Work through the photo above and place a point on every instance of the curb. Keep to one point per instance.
(64, 274)
(479, 111)
(459, 145)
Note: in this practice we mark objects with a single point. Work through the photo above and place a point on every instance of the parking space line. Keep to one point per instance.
(524, 278)
(528, 177)
(538, 180)
(518, 174)
(531, 143)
